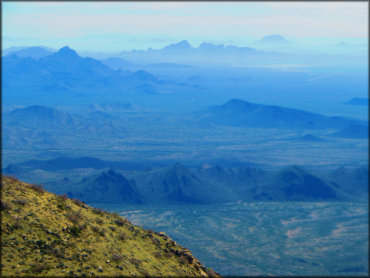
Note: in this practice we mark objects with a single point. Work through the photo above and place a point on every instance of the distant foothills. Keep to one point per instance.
(179, 184)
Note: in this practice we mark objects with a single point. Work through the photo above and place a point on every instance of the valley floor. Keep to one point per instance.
(265, 238)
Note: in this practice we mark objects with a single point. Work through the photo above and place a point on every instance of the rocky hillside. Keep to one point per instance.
(49, 235)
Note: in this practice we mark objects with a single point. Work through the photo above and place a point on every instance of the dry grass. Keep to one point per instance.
(49, 235)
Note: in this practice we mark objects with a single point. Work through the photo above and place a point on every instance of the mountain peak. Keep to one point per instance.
(237, 103)
(35, 52)
(67, 52)
(142, 75)
(210, 46)
(35, 109)
(182, 45)
(274, 39)
(110, 174)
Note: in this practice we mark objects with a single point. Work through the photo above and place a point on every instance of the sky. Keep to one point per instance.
(117, 26)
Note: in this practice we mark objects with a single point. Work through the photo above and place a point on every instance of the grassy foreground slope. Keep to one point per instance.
(49, 235)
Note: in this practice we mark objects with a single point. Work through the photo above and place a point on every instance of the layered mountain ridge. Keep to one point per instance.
(179, 184)
(237, 112)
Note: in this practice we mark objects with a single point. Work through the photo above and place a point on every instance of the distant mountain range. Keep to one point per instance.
(42, 117)
(240, 113)
(64, 75)
(42, 126)
(294, 184)
(111, 107)
(117, 63)
(47, 127)
(65, 71)
(358, 101)
(353, 131)
(274, 40)
(107, 187)
(207, 53)
(270, 50)
(32, 51)
(179, 184)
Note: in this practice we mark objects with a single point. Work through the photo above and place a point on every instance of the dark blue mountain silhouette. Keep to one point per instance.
(238, 112)
(117, 63)
(274, 40)
(35, 52)
(177, 184)
(354, 131)
(65, 71)
(60, 163)
(43, 119)
(295, 184)
(107, 187)
(180, 46)
(142, 76)
(39, 115)
(358, 101)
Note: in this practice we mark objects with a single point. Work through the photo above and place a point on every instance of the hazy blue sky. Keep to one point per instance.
(115, 26)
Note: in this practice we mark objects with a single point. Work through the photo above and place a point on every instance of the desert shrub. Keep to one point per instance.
(135, 262)
(211, 272)
(112, 228)
(61, 202)
(61, 206)
(99, 221)
(168, 254)
(38, 268)
(5, 205)
(150, 231)
(37, 188)
(17, 224)
(20, 202)
(117, 258)
(119, 221)
(98, 211)
(102, 231)
(74, 216)
(95, 228)
(75, 230)
(61, 198)
(41, 243)
(156, 241)
(122, 236)
(183, 260)
(158, 254)
(78, 203)
(76, 257)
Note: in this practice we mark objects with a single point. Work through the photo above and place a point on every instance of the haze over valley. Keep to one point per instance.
(252, 151)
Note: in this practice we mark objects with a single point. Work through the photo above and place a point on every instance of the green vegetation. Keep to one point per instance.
(48, 235)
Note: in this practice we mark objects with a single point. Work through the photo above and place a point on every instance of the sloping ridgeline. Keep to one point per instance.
(240, 113)
(49, 235)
